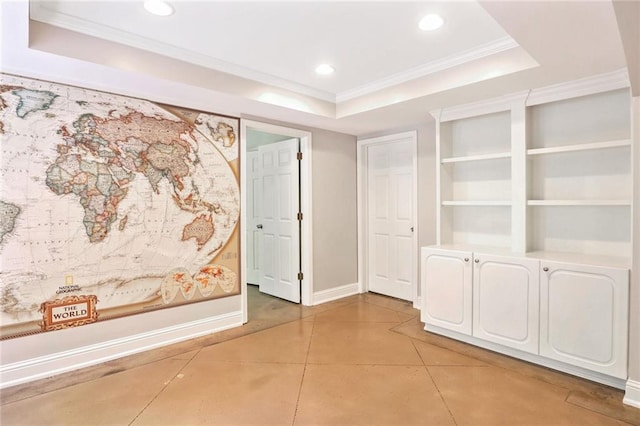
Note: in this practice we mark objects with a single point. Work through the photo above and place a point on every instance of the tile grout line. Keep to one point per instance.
(426, 368)
(164, 387)
(304, 372)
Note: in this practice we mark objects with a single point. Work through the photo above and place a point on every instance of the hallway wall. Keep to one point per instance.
(335, 217)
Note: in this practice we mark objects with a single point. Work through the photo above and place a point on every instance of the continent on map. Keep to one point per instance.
(103, 155)
(33, 100)
(201, 229)
(100, 187)
(8, 214)
(222, 133)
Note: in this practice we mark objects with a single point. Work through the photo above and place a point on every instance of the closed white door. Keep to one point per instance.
(390, 218)
(253, 217)
(280, 251)
(446, 289)
(506, 294)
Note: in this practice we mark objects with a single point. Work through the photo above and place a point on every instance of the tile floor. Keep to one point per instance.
(360, 360)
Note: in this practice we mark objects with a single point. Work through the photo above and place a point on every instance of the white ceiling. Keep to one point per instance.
(389, 74)
(281, 43)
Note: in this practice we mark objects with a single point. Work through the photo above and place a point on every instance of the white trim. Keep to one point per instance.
(362, 146)
(335, 293)
(632, 393)
(536, 359)
(40, 13)
(479, 52)
(61, 362)
(586, 86)
(305, 137)
(474, 109)
(571, 89)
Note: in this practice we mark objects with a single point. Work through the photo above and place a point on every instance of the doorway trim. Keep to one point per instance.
(361, 167)
(306, 293)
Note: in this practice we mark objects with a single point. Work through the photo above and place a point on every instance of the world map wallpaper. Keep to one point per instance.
(111, 206)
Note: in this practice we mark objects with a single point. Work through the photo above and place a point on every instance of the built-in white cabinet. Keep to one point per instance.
(506, 300)
(535, 189)
(446, 290)
(579, 175)
(584, 316)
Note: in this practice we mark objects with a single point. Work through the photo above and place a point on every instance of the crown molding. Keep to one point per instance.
(618, 79)
(39, 12)
(432, 67)
(488, 106)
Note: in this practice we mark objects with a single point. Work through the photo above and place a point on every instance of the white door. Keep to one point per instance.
(446, 289)
(280, 251)
(253, 217)
(390, 218)
(506, 294)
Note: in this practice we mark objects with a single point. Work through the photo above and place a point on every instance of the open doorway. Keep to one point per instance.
(276, 248)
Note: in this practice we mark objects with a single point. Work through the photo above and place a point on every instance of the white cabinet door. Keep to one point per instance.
(584, 316)
(446, 289)
(506, 301)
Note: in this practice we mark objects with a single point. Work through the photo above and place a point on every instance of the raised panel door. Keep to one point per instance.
(584, 316)
(506, 301)
(390, 219)
(280, 254)
(446, 289)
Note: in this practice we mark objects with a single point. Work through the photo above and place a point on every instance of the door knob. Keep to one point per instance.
(259, 226)
(466, 259)
(477, 260)
(545, 269)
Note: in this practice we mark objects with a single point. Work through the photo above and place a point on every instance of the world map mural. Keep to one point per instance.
(110, 206)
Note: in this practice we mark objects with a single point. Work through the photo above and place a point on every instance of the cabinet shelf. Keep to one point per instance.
(580, 147)
(478, 203)
(579, 203)
(480, 157)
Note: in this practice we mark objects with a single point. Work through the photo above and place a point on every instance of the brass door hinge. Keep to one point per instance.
(300, 276)
(299, 215)
(299, 156)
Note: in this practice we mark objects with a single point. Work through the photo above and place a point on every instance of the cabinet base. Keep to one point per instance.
(535, 359)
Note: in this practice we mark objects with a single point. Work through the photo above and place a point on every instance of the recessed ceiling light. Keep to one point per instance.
(325, 69)
(158, 7)
(431, 22)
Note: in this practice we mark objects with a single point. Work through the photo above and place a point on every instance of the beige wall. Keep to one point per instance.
(335, 217)
(427, 183)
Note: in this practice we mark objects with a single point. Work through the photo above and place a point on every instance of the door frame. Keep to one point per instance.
(306, 292)
(361, 170)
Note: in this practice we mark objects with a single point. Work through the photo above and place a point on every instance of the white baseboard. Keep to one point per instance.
(632, 393)
(42, 367)
(417, 303)
(325, 296)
